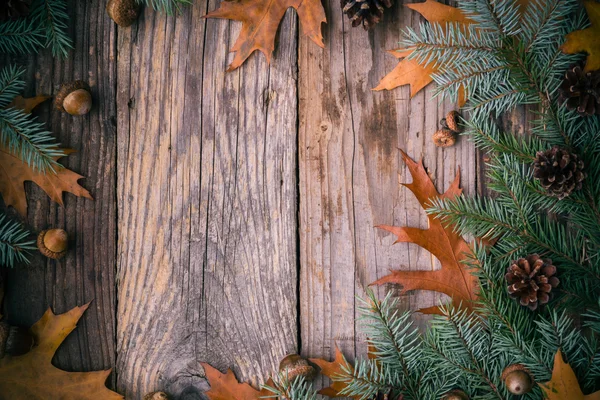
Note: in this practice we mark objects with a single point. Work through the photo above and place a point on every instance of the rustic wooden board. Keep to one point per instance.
(87, 273)
(207, 251)
(350, 175)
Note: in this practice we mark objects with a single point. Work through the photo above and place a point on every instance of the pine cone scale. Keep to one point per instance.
(531, 279)
(559, 171)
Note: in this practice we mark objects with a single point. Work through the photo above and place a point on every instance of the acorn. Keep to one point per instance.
(444, 138)
(452, 121)
(156, 396)
(517, 379)
(456, 395)
(53, 243)
(123, 12)
(74, 98)
(293, 366)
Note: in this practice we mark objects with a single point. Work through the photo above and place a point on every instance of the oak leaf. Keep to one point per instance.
(564, 384)
(332, 369)
(586, 40)
(226, 386)
(27, 104)
(32, 375)
(447, 246)
(409, 71)
(260, 20)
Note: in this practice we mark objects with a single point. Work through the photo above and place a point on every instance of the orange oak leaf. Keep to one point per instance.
(260, 20)
(32, 375)
(448, 247)
(331, 369)
(409, 71)
(586, 40)
(564, 384)
(227, 387)
(14, 173)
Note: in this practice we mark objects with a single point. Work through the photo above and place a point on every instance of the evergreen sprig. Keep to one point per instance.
(169, 7)
(46, 26)
(297, 389)
(14, 242)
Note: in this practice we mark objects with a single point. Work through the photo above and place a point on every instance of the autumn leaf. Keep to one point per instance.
(564, 384)
(32, 375)
(409, 71)
(260, 20)
(227, 387)
(447, 246)
(331, 369)
(586, 40)
(27, 104)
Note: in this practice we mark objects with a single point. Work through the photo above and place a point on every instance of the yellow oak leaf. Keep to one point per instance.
(586, 40)
(564, 384)
(32, 375)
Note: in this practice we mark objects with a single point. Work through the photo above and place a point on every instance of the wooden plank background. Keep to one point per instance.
(234, 213)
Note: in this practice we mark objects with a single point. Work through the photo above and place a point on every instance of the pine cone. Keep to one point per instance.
(581, 91)
(559, 171)
(13, 9)
(365, 12)
(531, 280)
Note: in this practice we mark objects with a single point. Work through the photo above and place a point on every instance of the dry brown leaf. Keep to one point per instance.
(447, 246)
(260, 20)
(227, 387)
(32, 375)
(586, 40)
(27, 104)
(331, 369)
(409, 71)
(564, 384)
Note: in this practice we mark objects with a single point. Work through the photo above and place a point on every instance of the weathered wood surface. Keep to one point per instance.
(207, 184)
(87, 273)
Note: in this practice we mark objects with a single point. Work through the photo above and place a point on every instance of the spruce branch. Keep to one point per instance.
(169, 7)
(14, 243)
(297, 389)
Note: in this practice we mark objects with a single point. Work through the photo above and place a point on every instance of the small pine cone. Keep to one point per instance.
(365, 12)
(531, 280)
(559, 171)
(14, 9)
(581, 91)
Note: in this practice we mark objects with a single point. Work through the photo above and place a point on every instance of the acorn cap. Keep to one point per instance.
(517, 379)
(293, 366)
(156, 396)
(53, 243)
(123, 12)
(452, 121)
(74, 98)
(444, 138)
(456, 395)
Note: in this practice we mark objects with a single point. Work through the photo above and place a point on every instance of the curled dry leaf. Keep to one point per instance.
(260, 20)
(32, 375)
(447, 246)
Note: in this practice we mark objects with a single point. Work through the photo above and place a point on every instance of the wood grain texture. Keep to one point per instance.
(87, 273)
(350, 175)
(207, 251)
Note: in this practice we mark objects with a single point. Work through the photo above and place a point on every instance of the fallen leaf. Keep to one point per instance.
(409, 71)
(586, 40)
(447, 246)
(564, 384)
(14, 173)
(227, 387)
(260, 20)
(32, 375)
(27, 104)
(331, 369)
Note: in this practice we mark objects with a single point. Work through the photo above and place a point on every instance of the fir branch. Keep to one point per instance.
(297, 389)
(14, 245)
(169, 7)
(21, 36)
(10, 84)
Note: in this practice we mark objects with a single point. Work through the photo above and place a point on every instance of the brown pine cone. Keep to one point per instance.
(559, 171)
(365, 12)
(13, 9)
(581, 91)
(531, 280)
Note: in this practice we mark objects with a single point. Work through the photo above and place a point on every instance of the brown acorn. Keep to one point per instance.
(452, 122)
(444, 138)
(293, 366)
(123, 12)
(456, 395)
(517, 379)
(53, 243)
(156, 396)
(74, 98)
